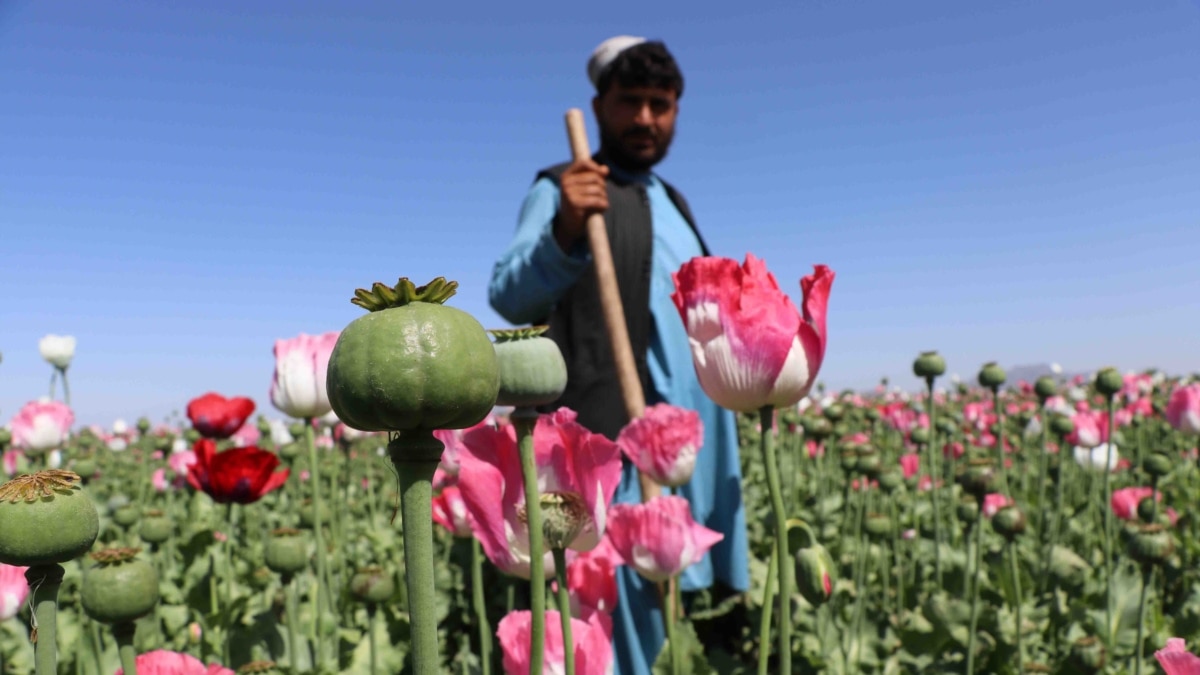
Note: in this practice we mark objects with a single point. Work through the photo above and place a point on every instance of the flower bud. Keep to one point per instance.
(968, 510)
(946, 426)
(834, 413)
(816, 428)
(992, 376)
(1109, 382)
(143, 425)
(815, 574)
(978, 477)
(85, 467)
(296, 429)
(929, 365)
(1147, 510)
(372, 585)
(878, 526)
(891, 478)
(1045, 387)
(869, 463)
(1087, 656)
(1009, 521)
(1157, 464)
(849, 459)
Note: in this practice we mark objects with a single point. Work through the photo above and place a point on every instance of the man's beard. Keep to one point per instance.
(614, 148)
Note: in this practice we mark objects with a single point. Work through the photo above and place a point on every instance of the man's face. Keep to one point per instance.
(636, 124)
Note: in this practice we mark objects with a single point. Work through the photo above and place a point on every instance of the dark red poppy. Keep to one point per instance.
(238, 475)
(215, 416)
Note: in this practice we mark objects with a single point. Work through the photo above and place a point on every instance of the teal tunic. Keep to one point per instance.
(529, 277)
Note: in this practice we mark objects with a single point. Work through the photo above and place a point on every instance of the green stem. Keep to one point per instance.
(44, 581)
(564, 613)
(1146, 575)
(1015, 571)
(66, 388)
(97, 647)
(53, 374)
(1106, 510)
(416, 455)
(975, 592)
(764, 622)
(322, 603)
(935, 493)
(1041, 486)
(767, 422)
(524, 420)
(293, 621)
(372, 611)
(123, 633)
(1000, 464)
(897, 556)
(1056, 521)
(481, 617)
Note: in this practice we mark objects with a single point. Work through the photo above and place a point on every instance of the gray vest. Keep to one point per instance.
(577, 324)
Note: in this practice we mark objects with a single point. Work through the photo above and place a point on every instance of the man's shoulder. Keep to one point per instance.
(554, 172)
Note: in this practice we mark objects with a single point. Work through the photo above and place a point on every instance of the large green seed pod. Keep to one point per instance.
(286, 551)
(412, 363)
(45, 518)
(156, 527)
(120, 587)
(1045, 387)
(372, 585)
(978, 477)
(1151, 545)
(1009, 522)
(929, 365)
(532, 369)
(878, 526)
(126, 515)
(919, 435)
(1061, 425)
(991, 376)
(834, 413)
(817, 428)
(1109, 382)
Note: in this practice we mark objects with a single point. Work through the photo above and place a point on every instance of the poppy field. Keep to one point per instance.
(392, 516)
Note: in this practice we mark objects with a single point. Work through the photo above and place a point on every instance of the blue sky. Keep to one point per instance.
(183, 183)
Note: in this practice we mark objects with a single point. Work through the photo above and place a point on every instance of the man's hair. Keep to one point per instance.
(648, 64)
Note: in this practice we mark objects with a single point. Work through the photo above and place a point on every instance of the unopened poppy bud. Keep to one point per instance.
(1068, 569)
(946, 427)
(919, 435)
(1009, 521)
(1109, 382)
(1157, 464)
(86, 468)
(891, 478)
(191, 436)
(372, 585)
(1061, 425)
(815, 574)
(992, 376)
(194, 633)
(849, 459)
(869, 463)
(967, 510)
(872, 415)
(929, 365)
(296, 429)
(1151, 544)
(978, 477)
(288, 452)
(1147, 510)
(1045, 387)
(1087, 656)
(878, 525)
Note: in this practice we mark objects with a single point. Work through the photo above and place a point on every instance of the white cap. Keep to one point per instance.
(607, 52)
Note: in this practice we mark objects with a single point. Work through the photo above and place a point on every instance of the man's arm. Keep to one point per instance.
(535, 271)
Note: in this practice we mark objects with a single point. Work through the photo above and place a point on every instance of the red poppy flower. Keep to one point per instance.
(215, 416)
(238, 475)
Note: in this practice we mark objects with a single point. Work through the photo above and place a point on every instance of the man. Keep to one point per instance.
(546, 276)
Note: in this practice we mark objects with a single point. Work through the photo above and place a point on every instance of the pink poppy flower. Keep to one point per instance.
(750, 346)
(181, 461)
(954, 449)
(663, 443)
(450, 511)
(1125, 501)
(592, 580)
(570, 461)
(298, 387)
(12, 461)
(1091, 429)
(13, 590)
(593, 643)
(994, 502)
(814, 449)
(163, 662)
(41, 425)
(1183, 410)
(659, 538)
(159, 480)
(1176, 660)
(910, 464)
(246, 435)
(452, 439)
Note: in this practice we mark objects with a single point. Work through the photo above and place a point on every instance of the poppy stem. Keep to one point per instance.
(564, 613)
(764, 623)
(1147, 571)
(524, 420)
(123, 633)
(935, 492)
(481, 617)
(767, 422)
(416, 454)
(322, 599)
(1106, 510)
(44, 581)
(975, 590)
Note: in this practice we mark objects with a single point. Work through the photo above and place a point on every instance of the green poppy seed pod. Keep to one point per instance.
(126, 515)
(834, 413)
(5, 438)
(1045, 387)
(86, 468)
(978, 477)
(1151, 544)
(1068, 569)
(817, 428)
(564, 516)
(919, 435)
(1109, 382)
(372, 585)
(968, 510)
(264, 426)
(532, 369)
(992, 376)
(296, 429)
(1087, 656)
(849, 459)
(119, 587)
(143, 425)
(869, 463)
(163, 443)
(946, 427)
(286, 551)
(412, 363)
(1157, 464)
(878, 526)
(191, 436)
(288, 452)
(872, 415)
(308, 515)
(1147, 510)
(891, 478)
(45, 518)
(1009, 522)
(929, 365)
(156, 527)
(1061, 425)
(815, 574)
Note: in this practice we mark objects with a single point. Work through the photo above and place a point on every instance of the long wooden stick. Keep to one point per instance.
(610, 298)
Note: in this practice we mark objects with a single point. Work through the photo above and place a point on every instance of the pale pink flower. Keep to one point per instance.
(1125, 501)
(159, 480)
(450, 511)
(1091, 429)
(163, 662)
(453, 440)
(909, 534)
(592, 580)
(1183, 410)
(994, 502)
(298, 388)
(750, 346)
(910, 464)
(247, 435)
(1176, 660)
(13, 590)
(41, 425)
(663, 443)
(12, 461)
(180, 461)
(659, 538)
(593, 643)
(954, 449)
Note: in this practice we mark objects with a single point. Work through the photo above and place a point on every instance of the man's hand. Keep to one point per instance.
(583, 193)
